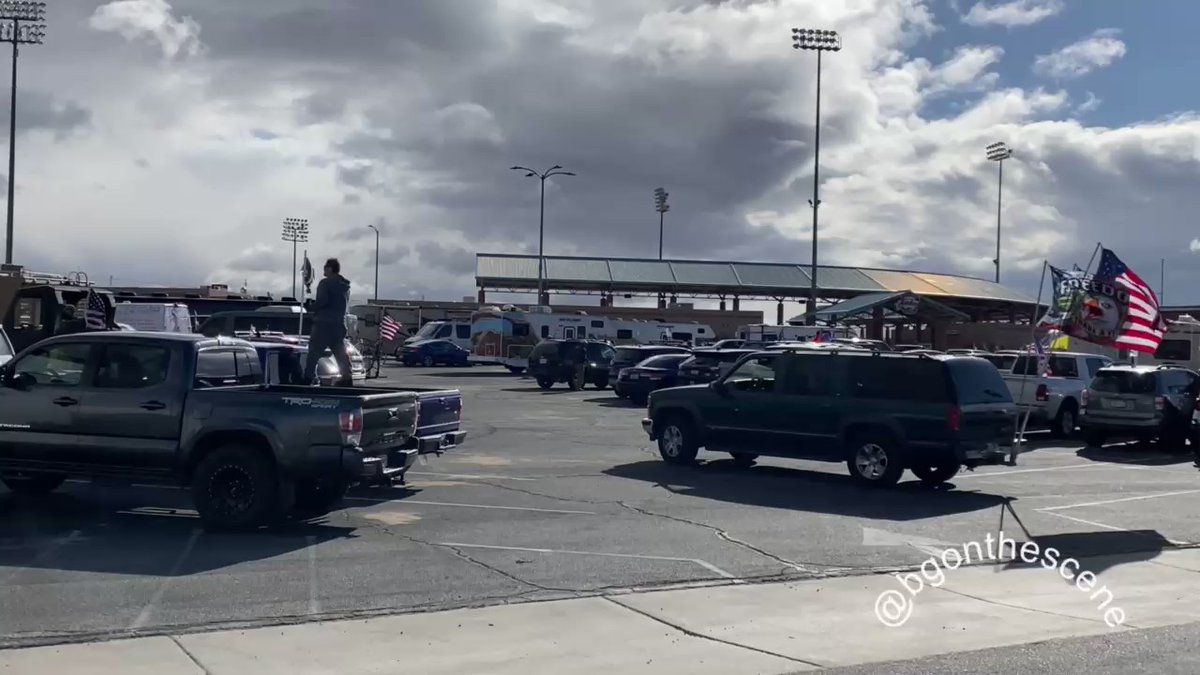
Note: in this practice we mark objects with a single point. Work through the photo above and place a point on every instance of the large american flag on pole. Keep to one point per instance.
(1143, 326)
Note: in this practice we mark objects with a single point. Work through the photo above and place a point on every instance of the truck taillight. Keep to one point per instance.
(1043, 392)
(351, 424)
(954, 419)
(1160, 402)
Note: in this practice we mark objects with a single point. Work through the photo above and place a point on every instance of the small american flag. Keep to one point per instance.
(1143, 327)
(95, 317)
(389, 328)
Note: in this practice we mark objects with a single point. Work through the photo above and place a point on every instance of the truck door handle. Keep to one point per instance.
(153, 405)
(65, 401)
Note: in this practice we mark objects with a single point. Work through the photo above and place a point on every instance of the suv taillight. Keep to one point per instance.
(1160, 402)
(1083, 399)
(351, 425)
(1043, 392)
(954, 419)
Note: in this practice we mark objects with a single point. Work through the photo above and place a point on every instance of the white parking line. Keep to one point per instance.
(696, 561)
(402, 502)
(314, 605)
(1114, 528)
(144, 615)
(468, 475)
(992, 474)
(1118, 501)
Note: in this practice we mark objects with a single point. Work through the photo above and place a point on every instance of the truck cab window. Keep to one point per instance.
(216, 368)
(132, 366)
(59, 365)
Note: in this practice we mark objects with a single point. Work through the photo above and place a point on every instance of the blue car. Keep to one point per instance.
(433, 353)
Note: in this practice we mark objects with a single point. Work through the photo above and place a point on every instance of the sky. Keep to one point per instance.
(165, 142)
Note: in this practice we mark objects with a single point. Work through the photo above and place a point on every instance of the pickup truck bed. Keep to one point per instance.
(193, 409)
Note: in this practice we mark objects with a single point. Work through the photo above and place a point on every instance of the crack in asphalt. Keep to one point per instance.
(710, 638)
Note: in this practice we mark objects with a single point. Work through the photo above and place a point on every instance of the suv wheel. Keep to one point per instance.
(601, 381)
(545, 382)
(874, 459)
(236, 488)
(1065, 421)
(33, 483)
(933, 475)
(677, 440)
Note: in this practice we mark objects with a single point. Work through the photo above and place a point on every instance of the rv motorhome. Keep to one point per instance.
(766, 333)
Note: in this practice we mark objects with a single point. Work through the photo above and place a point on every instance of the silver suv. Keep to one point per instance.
(1147, 402)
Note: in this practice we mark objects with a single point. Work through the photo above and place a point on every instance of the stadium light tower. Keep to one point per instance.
(295, 230)
(376, 260)
(555, 170)
(998, 152)
(660, 205)
(819, 41)
(21, 23)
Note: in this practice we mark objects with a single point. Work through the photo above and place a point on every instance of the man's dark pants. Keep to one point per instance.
(333, 338)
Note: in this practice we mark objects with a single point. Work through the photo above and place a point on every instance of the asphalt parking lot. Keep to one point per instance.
(556, 494)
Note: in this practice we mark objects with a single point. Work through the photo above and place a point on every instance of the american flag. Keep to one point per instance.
(95, 317)
(1143, 327)
(389, 328)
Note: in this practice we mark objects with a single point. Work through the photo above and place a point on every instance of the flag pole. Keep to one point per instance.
(1033, 323)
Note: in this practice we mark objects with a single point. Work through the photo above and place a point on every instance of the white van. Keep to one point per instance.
(457, 331)
(157, 317)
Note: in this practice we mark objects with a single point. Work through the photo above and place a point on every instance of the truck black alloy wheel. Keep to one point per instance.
(932, 475)
(235, 487)
(677, 440)
(33, 483)
(874, 459)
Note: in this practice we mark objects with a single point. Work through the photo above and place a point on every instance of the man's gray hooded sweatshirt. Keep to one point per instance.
(333, 297)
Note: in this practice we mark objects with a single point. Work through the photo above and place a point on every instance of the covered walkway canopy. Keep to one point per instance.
(899, 307)
(978, 298)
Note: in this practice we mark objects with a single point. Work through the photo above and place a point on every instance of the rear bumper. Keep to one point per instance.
(437, 443)
(360, 468)
(1117, 423)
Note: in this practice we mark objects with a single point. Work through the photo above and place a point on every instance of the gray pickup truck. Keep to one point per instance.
(176, 408)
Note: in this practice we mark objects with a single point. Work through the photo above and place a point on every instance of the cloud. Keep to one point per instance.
(1194, 247)
(408, 115)
(1013, 13)
(1099, 50)
(150, 20)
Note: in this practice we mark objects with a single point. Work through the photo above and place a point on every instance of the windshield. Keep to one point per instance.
(664, 361)
(428, 330)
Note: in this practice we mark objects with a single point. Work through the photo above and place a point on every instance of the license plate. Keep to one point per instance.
(1116, 404)
(635, 376)
(541, 360)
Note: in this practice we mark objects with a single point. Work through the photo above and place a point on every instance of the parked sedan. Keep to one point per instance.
(656, 372)
(433, 353)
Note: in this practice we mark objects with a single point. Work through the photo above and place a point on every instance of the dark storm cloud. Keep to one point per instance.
(445, 257)
(40, 111)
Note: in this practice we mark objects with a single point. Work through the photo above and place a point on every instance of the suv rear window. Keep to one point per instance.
(977, 381)
(545, 349)
(1123, 382)
(629, 354)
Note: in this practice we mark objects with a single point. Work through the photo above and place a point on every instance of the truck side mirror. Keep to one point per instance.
(719, 387)
(22, 381)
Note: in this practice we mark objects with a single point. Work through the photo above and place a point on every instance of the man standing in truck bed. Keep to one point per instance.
(328, 313)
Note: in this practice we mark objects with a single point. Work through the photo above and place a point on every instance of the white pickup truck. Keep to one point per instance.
(1053, 400)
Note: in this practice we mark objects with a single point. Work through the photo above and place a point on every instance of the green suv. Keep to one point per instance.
(881, 413)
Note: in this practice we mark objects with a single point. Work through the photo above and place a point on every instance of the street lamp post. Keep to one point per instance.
(660, 205)
(295, 230)
(998, 152)
(21, 23)
(819, 41)
(555, 170)
(376, 260)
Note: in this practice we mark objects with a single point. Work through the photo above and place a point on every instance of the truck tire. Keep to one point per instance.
(677, 442)
(316, 497)
(935, 475)
(874, 458)
(236, 487)
(33, 483)
(1064, 423)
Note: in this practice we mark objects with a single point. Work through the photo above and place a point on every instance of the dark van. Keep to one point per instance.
(881, 413)
(576, 362)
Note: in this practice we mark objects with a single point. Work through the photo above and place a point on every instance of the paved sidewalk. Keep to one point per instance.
(740, 628)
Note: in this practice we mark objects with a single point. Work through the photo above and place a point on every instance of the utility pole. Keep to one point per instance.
(376, 261)
(555, 170)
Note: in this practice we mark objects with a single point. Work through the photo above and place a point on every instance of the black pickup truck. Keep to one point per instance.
(160, 407)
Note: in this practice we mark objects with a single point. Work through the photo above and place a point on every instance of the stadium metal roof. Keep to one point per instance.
(926, 308)
(510, 272)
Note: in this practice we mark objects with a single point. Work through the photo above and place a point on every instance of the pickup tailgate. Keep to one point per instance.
(440, 420)
(389, 420)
